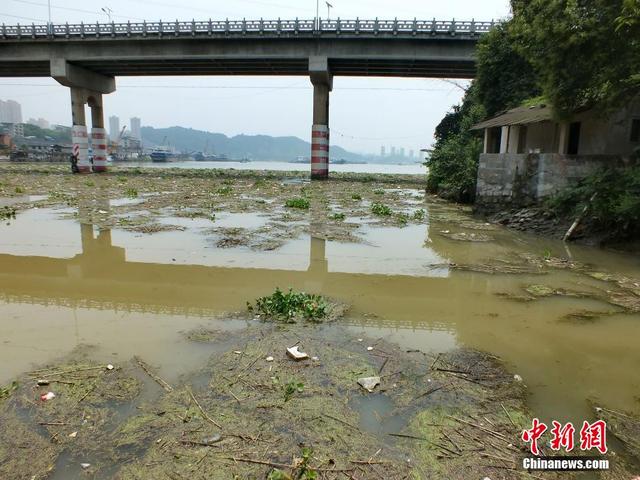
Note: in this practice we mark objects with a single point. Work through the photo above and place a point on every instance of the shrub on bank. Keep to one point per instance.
(612, 197)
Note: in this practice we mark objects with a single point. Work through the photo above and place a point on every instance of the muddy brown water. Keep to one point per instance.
(63, 284)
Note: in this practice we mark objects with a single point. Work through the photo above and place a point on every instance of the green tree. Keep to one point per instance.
(586, 52)
(505, 78)
(453, 166)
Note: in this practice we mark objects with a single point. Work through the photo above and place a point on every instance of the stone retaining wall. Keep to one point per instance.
(517, 180)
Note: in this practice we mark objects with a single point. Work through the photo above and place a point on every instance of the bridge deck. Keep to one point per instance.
(410, 48)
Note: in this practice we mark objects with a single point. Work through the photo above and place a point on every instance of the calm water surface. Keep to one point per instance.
(409, 169)
(63, 284)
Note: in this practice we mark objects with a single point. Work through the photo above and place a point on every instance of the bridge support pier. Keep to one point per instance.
(86, 87)
(98, 134)
(322, 81)
(79, 137)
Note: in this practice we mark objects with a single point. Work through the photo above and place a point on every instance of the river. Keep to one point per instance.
(445, 279)
(379, 168)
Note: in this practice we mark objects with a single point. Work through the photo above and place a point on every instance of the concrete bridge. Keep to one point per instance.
(87, 58)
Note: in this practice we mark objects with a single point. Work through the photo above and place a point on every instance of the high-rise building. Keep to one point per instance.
(393, 151)
(114, 128)
(135, 128)
(383, 151)
(412, 154)
(40, 122)
(402, 151)
(10, 112)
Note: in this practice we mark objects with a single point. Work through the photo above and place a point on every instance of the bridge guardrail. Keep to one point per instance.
(245, 27)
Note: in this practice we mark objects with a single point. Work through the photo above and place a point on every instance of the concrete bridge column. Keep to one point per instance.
(322, 81)
(79, 137)
(98, 133)
(86, 87)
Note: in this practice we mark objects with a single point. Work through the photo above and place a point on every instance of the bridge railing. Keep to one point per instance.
(244, 27)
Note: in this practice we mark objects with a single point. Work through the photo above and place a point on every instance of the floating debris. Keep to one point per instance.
(269, 359)
(296, 354)
(369, 383)
(47, 396)
(212, 439)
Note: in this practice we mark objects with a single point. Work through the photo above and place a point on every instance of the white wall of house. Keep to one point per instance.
(541, 138)
(608, 136)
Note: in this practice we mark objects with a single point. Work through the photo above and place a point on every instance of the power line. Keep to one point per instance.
(23, 18)
(72, 9)
(376, 139)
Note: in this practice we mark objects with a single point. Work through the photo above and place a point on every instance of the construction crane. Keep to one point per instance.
(114, 147)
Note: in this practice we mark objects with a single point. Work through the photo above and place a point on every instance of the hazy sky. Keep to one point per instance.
(365, 112)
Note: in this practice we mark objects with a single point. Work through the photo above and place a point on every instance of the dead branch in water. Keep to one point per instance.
(155, 377)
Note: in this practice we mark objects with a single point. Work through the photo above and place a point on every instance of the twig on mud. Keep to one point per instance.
(383, 365)
(206, 415)
(285, 465)
(461, 377)
(413, 437)
(52, 424)
(495, 457)
(341, 421)
(429, 392)
(91, 389)
(508, 416)
(450, 370)
(480, 427)
(155, 377)
(375, 454)
(64, 372)
(451, 441)
(434, 362)
(369, 462)
(234, 396)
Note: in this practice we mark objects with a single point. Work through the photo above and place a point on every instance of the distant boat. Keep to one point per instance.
(162, 155)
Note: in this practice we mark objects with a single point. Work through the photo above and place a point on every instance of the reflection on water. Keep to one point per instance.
(64, 284)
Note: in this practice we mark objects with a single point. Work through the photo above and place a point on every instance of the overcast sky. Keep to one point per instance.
(366, 113)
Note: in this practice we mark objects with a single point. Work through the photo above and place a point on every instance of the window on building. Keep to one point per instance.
(635, 130)
(494, 139)
(574, 138)
(522, 139)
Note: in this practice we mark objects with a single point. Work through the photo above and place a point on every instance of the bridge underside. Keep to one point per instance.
(252, 67)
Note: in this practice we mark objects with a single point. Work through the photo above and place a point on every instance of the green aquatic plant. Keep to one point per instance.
(6, 392)
(339, 216)
(290, 388)
(419, 214)
(19, 190)
(356, 196)
(226, 190)
(379, 191)
(7, 213)
(402, 218)
(380, 209)
(131, 193)
(287, 307)
(298, 202)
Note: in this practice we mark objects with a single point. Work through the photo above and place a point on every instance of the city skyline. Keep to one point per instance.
(135, 126)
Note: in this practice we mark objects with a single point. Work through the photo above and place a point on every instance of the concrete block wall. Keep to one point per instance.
(516, 180)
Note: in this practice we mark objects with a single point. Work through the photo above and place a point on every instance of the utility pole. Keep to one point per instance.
(108, 11)
(329, 7)
(318, 14)
(49, 24)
